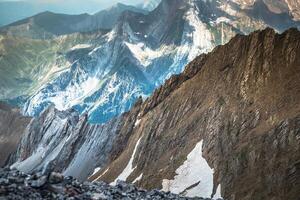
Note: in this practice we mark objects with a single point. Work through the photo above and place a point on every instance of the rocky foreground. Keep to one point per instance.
(17, 185)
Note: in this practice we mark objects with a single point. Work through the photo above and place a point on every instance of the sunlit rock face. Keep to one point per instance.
(230, 119)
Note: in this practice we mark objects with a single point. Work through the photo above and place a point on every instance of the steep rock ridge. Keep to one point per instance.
(243, 104)
(48, 25)
(139, 54)
(12, 124)
(62, 141)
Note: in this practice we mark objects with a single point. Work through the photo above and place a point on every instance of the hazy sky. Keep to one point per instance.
(76, 6)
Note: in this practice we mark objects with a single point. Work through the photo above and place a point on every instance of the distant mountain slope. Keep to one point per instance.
(27, 64)
(142, 51)
(106, 19)
(47, 25)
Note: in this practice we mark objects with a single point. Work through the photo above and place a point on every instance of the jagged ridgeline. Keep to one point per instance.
(227, 126)
(100, 64)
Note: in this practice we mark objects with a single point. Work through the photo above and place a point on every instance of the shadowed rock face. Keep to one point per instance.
(64, 142)
(242, 100)
(12, 125)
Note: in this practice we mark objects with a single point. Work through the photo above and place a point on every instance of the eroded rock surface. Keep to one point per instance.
(242, 100)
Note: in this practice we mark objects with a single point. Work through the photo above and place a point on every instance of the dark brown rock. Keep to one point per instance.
(12, 125)
(242, 99)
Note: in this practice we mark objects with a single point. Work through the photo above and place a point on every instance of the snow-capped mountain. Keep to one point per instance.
(142, 51)
(149, 4)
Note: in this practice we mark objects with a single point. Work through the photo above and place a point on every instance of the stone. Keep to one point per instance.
(40, 182)
(55, 178)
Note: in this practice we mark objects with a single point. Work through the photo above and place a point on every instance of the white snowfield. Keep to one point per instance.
(129, 168)
(196, 172)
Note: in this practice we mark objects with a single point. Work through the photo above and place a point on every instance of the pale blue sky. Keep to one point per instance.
(76, 6)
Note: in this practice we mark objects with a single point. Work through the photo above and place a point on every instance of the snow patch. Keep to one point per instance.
(194, 170)
(218, 193)
(201, 36)
(74, 94)
(138, 178)
(111, 35)
(96, 170)
(80, 46)
(129, 168)
(142, 53)
(138, 121)
(222, 19)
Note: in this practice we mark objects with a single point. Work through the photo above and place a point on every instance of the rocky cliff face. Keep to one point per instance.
(12, 125)
(65, 142)
(237, 107)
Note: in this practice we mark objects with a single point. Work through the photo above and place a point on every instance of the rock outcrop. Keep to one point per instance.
(17, 185)
(242, 101)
